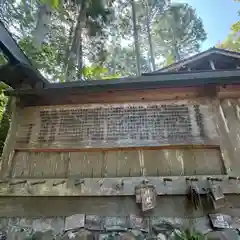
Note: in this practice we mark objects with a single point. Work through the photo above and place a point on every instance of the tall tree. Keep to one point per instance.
(232, 42)
(91, 19)
(50, 36)
(42, 28)
(124, 62)
(178, 32)
(151, 10)
(136, 38)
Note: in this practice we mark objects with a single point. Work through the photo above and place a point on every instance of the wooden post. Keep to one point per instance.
(8, 150)
(222, 129)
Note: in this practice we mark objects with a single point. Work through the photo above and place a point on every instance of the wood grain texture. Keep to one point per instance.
(27, 164)
(122, 164)
(8, 150)
(83, 126)
(122, 96)
(209, 115)
(183, 162)
(232, 127)
(86, 164)
(121, 186)
(115, 96)
(225, 144)
(119, 163)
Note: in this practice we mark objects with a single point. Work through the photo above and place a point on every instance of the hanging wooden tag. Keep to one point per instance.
(217, 192)
(138, 194)
(217, 196)
(148, 197)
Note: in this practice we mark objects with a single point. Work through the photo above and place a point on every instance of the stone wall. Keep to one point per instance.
(106, 228)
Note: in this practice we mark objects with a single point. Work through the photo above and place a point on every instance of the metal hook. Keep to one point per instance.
(18, 182)
(78, 182)
(60, 183)
(167, 180)
(38, 182)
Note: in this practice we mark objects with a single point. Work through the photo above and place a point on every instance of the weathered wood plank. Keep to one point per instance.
(225, 141)
(122, 96)
(161, 162)
(21, 165)
(49, 164)
(233, 130)
(182, 162)
(127, 148)
(209, 115)
(228, 91)
(86, 164)
(60, 125)
(207, 162)
(110, 186)
(122, 164)
(8, 150)
(31, 164)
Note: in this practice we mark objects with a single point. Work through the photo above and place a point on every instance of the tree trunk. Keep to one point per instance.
(67, 52)
(42, 27)
(115, 54)
(152, 58)
(175, 51)
(136, 40)
(176, 54)
(80, 54)
(74, 61)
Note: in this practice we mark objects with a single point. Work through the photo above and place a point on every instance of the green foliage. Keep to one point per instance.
(53, 3)
(178, 31)
(104, 37)
(5, 112)
(5, 123)
(97, 72)
(3, 99)
(47, 58)
(122, 61)
(4, 109)
(188, 235)
(236, 27)
(169, 59)
(232, 41)
(3, 60)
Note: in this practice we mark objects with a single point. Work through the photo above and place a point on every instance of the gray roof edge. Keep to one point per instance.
(195, 57)
(17, 57)
(165, 78)
(144, 82)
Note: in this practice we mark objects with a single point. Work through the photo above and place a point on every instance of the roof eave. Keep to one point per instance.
(143, 82)
(196, 57)
(18, 62)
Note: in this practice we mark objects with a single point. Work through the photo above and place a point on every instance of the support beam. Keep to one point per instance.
(175, 185)
(164, 147)
(212, 65)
